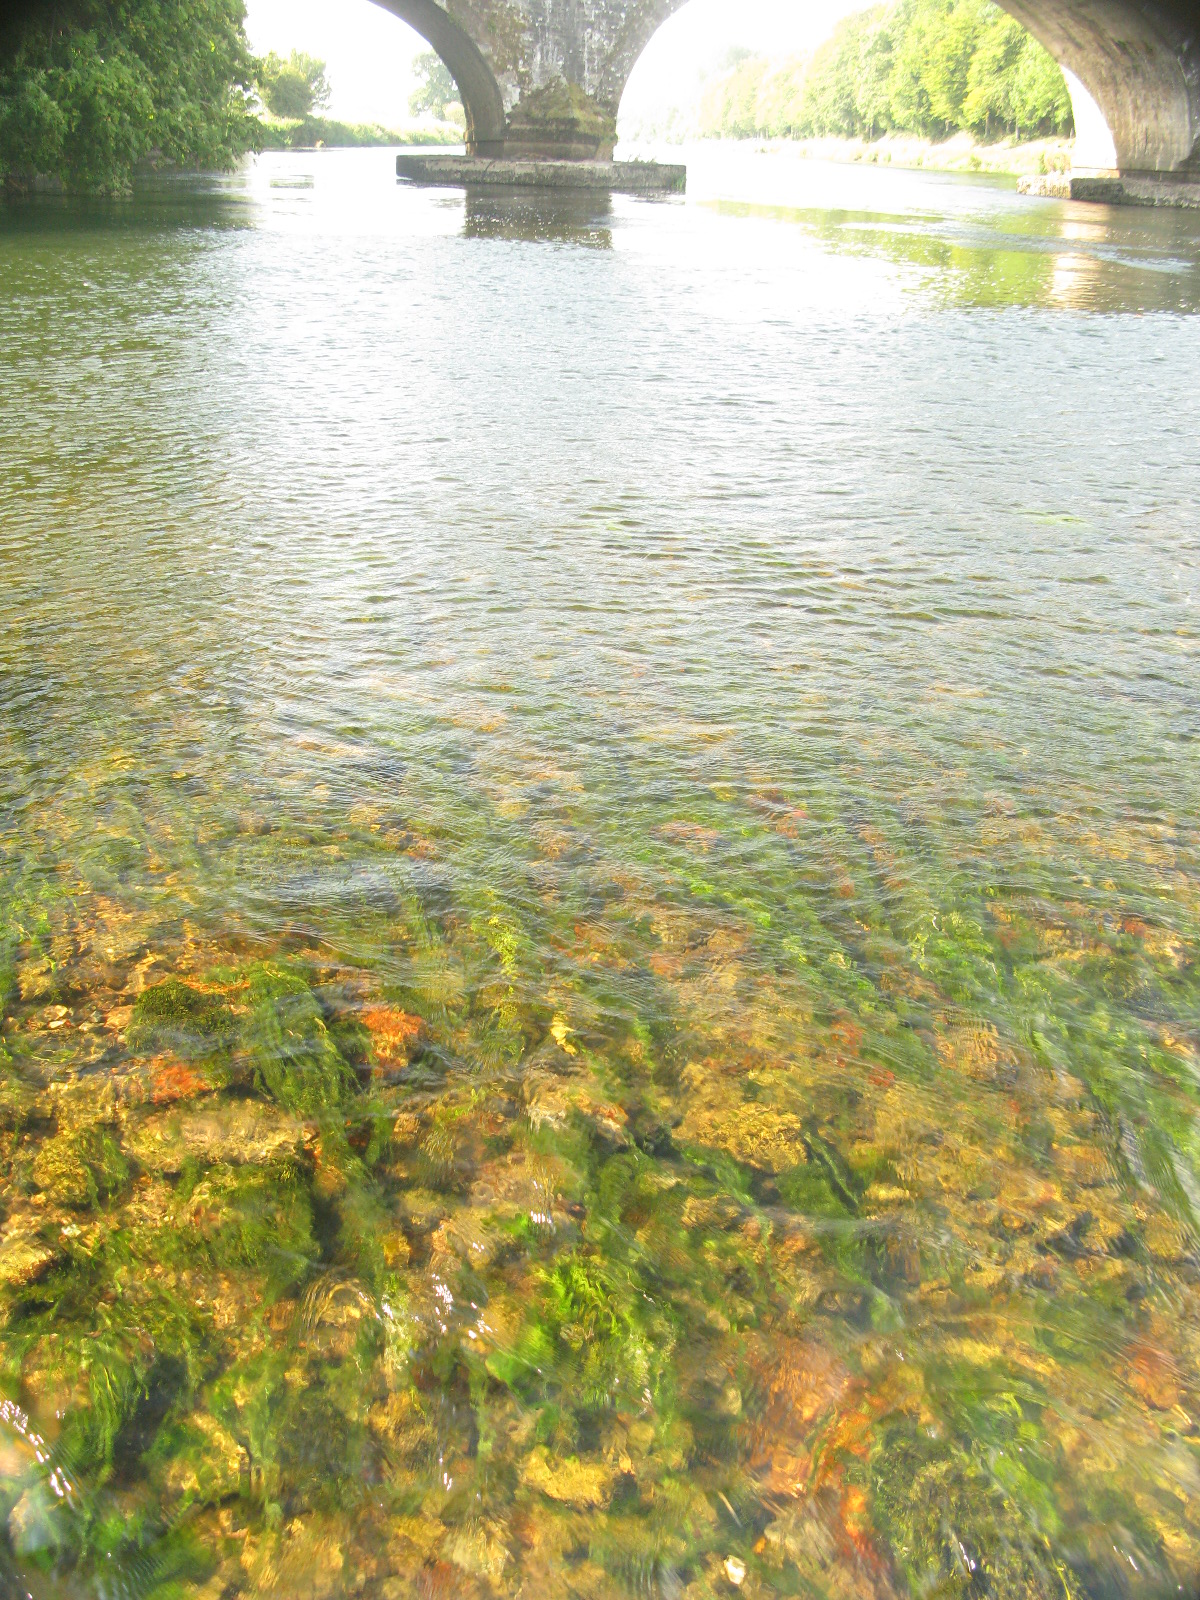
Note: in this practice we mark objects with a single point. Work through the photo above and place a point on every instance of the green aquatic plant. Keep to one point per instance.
(172, 1015)
(604, 1354)
(295, 1060)
(80, 1168)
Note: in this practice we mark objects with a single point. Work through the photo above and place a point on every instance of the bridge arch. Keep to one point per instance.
(1132, 69)
(1139, 63)
(545, 77)
(482, 99)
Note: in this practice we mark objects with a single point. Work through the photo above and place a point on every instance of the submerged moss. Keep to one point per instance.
(174, 1015)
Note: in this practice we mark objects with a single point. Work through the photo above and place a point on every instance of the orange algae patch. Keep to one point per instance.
(690, 833)
(802, 1384)
(173, 1080)
(1153, 1374)
(393, 1033)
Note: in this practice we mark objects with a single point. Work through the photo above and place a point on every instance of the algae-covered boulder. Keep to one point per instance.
(79, 1168)
(757, 1135)
(208, 1464)
(174, 1016)
(570, 1481)
(16, 1102)
(33, 1527)
(24, 1254)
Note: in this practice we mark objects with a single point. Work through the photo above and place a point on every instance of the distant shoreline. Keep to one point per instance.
(315, 133)
(962, 153)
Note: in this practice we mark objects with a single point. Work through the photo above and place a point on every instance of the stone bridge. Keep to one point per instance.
(545, 77)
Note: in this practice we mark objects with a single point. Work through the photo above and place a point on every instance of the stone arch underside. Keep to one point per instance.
(1140, 62)
(482, 100)
(545, 77)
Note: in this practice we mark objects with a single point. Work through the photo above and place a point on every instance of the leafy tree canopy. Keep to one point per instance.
(293, 88)
(89, 87)
(929, 67)
(437, 91)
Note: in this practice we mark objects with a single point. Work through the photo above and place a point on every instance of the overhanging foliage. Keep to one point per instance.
(90, 87)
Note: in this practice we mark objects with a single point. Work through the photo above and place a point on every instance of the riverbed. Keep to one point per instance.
(599, 889)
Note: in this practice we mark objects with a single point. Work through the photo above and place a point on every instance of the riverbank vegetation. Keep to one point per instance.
(930, 68)
(309, 133)
(962, 153)
(88, 88)
(296, 90)
(91, 91)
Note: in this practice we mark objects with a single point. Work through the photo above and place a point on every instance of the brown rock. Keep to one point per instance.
(24, 1254)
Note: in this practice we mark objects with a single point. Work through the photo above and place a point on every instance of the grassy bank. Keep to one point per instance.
(307, 133)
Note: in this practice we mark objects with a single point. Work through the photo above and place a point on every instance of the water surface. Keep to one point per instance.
(599, 890)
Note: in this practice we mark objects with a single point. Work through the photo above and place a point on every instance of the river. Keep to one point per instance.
(599, 890)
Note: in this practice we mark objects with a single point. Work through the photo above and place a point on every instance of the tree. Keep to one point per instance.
(917, 66)
(437, 91)
(953, 38)
(1014, 84)
(90, 87)
(872, 84)
(731, 103)
(294, 88)
(831, 88)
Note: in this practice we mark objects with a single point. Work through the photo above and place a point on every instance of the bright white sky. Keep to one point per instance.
(369, 52)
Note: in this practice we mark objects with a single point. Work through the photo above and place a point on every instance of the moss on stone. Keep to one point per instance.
(80, 1167)
(560, 118)
(173, 1015)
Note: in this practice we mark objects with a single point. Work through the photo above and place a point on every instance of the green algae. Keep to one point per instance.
(175, 1016)
(79, 1168)
(619, 1275)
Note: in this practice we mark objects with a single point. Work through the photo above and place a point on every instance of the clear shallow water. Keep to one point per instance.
(599, 890)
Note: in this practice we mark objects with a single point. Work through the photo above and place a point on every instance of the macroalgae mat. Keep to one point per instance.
(747, 1202)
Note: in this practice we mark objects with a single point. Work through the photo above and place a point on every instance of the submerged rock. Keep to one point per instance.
(173, 1015)
(25, 1255)
(234, 1131)
(210, 1463)
(572, 1481)
(80, 1167)
(31, 1522)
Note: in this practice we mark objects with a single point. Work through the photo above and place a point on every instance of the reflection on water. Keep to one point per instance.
(1066, 262)
(599, 892)
(986, 244)
(568, 216)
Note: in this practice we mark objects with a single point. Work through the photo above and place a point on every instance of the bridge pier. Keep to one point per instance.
(541, 172)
